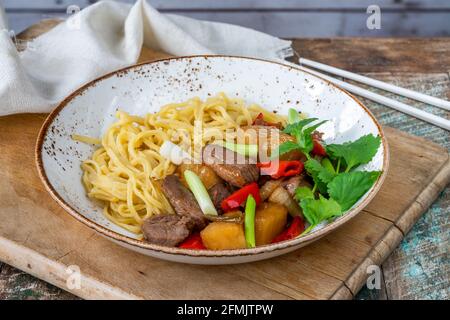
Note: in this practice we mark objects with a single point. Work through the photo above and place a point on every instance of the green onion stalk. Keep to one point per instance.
(249, 150)
(200, 193)
(249, 221)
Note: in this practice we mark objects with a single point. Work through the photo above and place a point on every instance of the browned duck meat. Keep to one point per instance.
(183, 201)
(167, 230)
(218, 193)
(230, 166)
(268, 140)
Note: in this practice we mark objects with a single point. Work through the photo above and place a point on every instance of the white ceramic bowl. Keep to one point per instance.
(145, 88)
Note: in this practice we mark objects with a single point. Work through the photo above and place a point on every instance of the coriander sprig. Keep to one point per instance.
(301, 130)
(343, 189)
(336, 186)
(354, 153)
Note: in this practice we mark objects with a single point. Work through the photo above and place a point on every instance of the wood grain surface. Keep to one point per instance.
(334, 267)
(380, 55)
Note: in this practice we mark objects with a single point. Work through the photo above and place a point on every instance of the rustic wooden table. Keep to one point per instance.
(418, 268)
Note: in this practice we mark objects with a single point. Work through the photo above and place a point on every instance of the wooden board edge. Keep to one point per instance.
(342, 293)
(59, 274)
(402, 226)
(375, 257)
(425, 199)
(279, 288)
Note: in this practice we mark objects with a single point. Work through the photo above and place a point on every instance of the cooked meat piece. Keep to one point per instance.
(293, 183)
(205, 173)
(230, 166)
(167, 230)
(218, 193)
(183, 201)
(268, 140)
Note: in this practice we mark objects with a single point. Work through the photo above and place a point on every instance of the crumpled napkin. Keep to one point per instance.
(108, 36)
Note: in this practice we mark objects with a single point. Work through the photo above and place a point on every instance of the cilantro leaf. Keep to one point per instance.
(303, 193)
(354, 153)
(320, 175)
(302, 133)
(326, 163)
(298, 126)
(293, 116)
(316, 211)
(304, 138)
(304, 142)
(348, 187)
(285, 147)
(310, 129)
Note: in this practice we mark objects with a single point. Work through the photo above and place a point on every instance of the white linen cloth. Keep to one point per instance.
(107, 36)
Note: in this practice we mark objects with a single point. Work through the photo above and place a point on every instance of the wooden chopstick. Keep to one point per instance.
(440, 103)
(420, 114)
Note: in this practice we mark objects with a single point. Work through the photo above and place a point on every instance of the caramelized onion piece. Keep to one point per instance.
(295, 182)
(233, 216)
(269, 187)
(281, 196)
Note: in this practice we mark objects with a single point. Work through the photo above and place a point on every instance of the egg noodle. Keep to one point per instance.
(124, 172)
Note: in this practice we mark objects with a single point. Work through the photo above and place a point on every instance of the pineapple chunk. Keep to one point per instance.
(223, 235)
(270, 221)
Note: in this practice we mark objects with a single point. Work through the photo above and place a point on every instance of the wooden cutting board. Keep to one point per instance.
(37, 236)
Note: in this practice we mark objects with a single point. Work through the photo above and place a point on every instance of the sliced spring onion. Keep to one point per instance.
(173, 152)
(250, 150)
(200, 193)
(249, 221)
(293, 116)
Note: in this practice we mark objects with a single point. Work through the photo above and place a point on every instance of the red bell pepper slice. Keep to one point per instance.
(318, 149)
(259, 121)
(194, 242)
(282, 168)
(238, 198)
(297, 226)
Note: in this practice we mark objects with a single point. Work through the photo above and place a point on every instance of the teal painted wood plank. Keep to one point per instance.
(419, 267)
(18, 285)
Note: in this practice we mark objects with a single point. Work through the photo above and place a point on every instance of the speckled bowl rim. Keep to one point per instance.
(309, 238)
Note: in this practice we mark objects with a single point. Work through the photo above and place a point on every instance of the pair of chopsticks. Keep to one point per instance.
(394, 104)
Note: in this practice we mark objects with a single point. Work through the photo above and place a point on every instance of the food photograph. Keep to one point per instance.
(221, 151)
